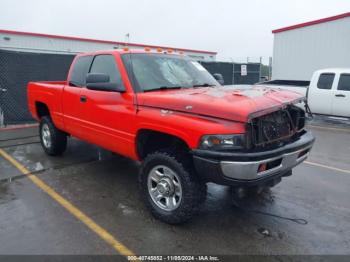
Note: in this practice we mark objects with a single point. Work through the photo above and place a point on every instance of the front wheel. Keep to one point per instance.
(170, 188)
(53, 140)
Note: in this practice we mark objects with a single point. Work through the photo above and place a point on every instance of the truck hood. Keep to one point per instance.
(236, 103)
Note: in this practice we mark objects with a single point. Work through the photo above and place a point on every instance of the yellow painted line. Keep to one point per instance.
(101, 232)
(327, 167)
(330, 128)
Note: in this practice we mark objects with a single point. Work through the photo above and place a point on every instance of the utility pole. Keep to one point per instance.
(127, 39)
(260, 68)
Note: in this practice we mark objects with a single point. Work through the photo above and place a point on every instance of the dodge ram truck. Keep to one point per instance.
(166, 111)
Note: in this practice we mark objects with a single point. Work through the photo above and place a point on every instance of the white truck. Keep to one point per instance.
(328, 92)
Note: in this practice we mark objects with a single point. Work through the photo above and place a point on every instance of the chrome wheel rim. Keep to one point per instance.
(46, 135)
(165, 188)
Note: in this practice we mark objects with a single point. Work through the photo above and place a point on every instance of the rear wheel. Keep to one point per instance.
(53, 140)
(170, 188)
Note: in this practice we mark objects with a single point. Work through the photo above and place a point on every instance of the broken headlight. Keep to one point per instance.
(221, 142)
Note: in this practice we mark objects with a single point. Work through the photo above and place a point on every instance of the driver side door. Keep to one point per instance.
(108, 114)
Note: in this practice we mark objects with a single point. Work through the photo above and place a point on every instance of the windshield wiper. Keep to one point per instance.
(203, 85)
(164, 88)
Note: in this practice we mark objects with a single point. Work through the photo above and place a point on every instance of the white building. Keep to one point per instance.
(44, 43)
(301, 49)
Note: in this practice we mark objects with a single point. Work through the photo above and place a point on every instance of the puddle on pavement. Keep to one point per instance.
(5, 194)
(264, 199)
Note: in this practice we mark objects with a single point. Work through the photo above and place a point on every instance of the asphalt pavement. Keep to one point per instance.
(307, 213)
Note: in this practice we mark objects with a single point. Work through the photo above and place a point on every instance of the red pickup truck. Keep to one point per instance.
(166, 111)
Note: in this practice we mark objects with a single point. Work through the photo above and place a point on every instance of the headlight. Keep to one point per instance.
(217, 142)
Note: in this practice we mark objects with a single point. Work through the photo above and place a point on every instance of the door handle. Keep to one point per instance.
(83, 99)
(340, 95)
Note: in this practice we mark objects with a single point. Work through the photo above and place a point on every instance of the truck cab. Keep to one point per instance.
(329, 92)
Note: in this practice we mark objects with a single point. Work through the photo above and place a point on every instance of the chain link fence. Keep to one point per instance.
(19, 68)
(235, 73)
(264, 61)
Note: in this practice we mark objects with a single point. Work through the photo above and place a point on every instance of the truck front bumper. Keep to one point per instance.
(253, 168)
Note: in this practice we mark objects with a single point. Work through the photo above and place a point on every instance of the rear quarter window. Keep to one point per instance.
(344, 82)
(325, 81)
(80, 69)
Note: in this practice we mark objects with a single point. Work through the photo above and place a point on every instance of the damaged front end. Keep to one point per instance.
(275, 142)
(276, 129)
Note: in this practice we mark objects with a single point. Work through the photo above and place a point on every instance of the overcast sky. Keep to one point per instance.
(236, 28)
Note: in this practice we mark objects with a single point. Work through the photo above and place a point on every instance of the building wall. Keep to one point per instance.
(28, 43)
(299, 52)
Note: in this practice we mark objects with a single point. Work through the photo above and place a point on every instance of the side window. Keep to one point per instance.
(344, 82)
(80, 70)
(106, 64)
(325, 81)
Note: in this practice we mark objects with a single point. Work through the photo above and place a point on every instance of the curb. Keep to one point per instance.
(15, 127)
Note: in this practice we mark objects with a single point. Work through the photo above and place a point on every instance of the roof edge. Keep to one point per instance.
(310, 23)
(101, 41)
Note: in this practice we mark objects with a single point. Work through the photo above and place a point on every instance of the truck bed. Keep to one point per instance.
(291, 85)
(48, 93)
(299, 89)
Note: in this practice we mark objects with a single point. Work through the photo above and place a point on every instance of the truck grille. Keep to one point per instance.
(276, 127)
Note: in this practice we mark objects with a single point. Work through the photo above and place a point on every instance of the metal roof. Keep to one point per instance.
(101, 41)
(315, 22)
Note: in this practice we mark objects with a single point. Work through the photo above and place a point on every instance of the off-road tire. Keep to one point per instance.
(193, 189)
(58, 138)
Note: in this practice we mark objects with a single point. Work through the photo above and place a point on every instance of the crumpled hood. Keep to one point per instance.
(237, 103)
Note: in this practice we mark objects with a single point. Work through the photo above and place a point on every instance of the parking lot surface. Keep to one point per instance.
(103, 186)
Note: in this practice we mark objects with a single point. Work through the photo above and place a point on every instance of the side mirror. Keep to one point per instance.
(101, 82)
(219, 78)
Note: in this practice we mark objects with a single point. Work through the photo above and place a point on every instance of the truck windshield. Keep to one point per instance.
(163, 71)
